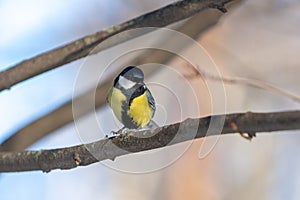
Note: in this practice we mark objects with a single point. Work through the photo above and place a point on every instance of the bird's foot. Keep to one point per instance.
(114, 134)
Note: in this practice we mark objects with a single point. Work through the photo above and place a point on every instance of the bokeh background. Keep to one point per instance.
(255, 39)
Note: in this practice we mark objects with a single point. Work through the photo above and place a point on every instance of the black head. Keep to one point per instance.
(131, 73)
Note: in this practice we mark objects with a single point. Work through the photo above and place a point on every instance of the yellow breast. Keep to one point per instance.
(140, 110)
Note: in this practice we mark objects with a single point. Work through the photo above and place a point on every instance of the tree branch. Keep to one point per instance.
(255, 83)
(67, 158)
(82, 47)
(61, 116)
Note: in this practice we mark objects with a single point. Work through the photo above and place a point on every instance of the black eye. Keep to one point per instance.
(141, 89)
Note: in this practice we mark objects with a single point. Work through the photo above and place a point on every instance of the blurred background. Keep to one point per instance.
(255, 39)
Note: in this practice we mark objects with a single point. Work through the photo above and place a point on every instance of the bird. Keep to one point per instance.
(130, 100)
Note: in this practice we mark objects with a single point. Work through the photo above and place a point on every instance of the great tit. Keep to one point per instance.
(131, 100)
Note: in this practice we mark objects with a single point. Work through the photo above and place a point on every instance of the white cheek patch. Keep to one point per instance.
(125, 83)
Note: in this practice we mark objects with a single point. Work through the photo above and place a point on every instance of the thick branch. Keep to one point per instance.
(66, 158)
(82, 47)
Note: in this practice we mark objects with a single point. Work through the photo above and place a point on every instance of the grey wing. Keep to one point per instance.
(150, 99)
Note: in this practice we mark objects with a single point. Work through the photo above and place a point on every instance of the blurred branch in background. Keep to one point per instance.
(63, 115)
(137, 141)
(200, 73)
(82, 47)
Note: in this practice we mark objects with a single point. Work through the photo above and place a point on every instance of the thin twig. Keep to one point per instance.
(71, 157)
(200, 73)
(82, 47)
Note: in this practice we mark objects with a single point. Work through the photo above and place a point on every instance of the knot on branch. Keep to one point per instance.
(77, 159)
(42, 158)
